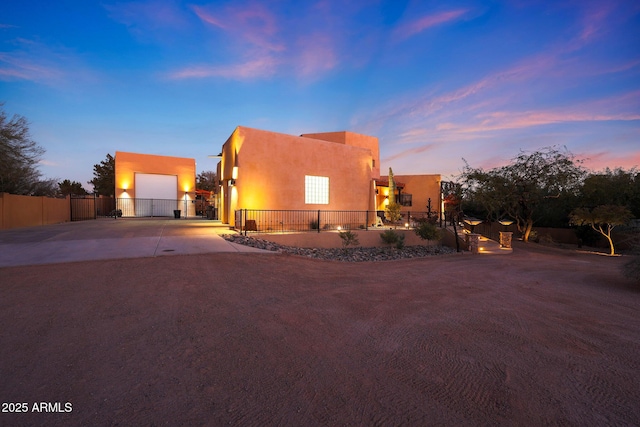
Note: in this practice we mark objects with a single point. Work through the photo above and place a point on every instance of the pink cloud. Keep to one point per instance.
(261, 48)
(417, 26)
(148, 15)
(254, 25)
(21, 66)
(410, 152)
(600, 160)
(257, 68)
(594, 21)
(315, 55)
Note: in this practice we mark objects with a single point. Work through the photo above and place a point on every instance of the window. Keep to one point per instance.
(316, 190)
(404, 199)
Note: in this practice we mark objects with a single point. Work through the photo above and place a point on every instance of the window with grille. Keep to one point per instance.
(316, 190)
(404, 199)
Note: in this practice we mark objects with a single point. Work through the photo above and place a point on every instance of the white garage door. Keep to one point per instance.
(156, 195)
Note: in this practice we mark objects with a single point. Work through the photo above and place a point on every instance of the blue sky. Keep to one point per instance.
(435, 81)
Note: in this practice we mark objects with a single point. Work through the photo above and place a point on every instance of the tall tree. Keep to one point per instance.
(612, 187)
(104, 177)
(520, 188)
(19, 157)
(67, 187)
(206, 180)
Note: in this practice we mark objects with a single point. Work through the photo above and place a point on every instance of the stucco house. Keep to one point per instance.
(333, 171)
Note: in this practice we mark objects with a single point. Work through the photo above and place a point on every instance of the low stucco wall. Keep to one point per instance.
(28, 211)
(331, 239)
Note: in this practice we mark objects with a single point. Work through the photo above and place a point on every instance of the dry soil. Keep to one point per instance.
(538, 337)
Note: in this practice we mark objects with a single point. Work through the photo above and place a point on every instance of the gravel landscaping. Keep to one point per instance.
(352, 254)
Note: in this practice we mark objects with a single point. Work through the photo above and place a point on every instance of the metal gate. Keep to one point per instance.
(89, 207)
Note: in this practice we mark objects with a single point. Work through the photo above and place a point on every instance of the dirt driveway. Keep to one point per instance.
(538, 337)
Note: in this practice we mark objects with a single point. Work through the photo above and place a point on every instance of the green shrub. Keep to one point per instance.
(348, 238)
(390, 237)
(427, 231)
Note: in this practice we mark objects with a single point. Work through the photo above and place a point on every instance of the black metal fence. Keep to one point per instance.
(279, 221)
(136, 207)
(89, 207)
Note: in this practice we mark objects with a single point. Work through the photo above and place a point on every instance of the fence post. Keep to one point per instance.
(318, 220)
(243, 221)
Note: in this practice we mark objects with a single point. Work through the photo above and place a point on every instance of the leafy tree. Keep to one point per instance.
(67, 187)
(602, 219)
(522, 187)
(392, 212)
(206, 180)
(612, 187)
(104, 177)
(19, 157)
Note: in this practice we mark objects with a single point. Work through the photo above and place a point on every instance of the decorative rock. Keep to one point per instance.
(339, 254)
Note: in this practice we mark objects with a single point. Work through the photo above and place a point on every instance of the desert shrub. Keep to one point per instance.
(390, 237)
(348, 238)
(427, 231)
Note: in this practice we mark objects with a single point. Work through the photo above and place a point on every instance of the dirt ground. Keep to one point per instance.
(539, 337)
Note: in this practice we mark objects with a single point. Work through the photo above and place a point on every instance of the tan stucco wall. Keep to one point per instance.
(128, 164)
(272, 168)
(28, 211)
(421, 187)
(355, 140)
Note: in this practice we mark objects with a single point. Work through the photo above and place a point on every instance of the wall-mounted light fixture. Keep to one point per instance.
(232, 182)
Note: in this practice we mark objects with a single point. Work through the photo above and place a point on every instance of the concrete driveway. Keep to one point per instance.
(112, 239)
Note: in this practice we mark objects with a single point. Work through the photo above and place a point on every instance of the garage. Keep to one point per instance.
(156, 194)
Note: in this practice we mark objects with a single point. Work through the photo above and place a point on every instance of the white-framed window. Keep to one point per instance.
(316, 190)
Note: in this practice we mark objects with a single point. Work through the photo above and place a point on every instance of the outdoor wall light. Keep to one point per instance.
(124, 190)
(232, 182)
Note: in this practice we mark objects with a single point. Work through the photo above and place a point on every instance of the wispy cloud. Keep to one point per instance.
(410, 152)
(147, 17)
(257, 68)
(419, 25)
(259, 46)
(254, 25)
(36, 62)
(600, 160)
